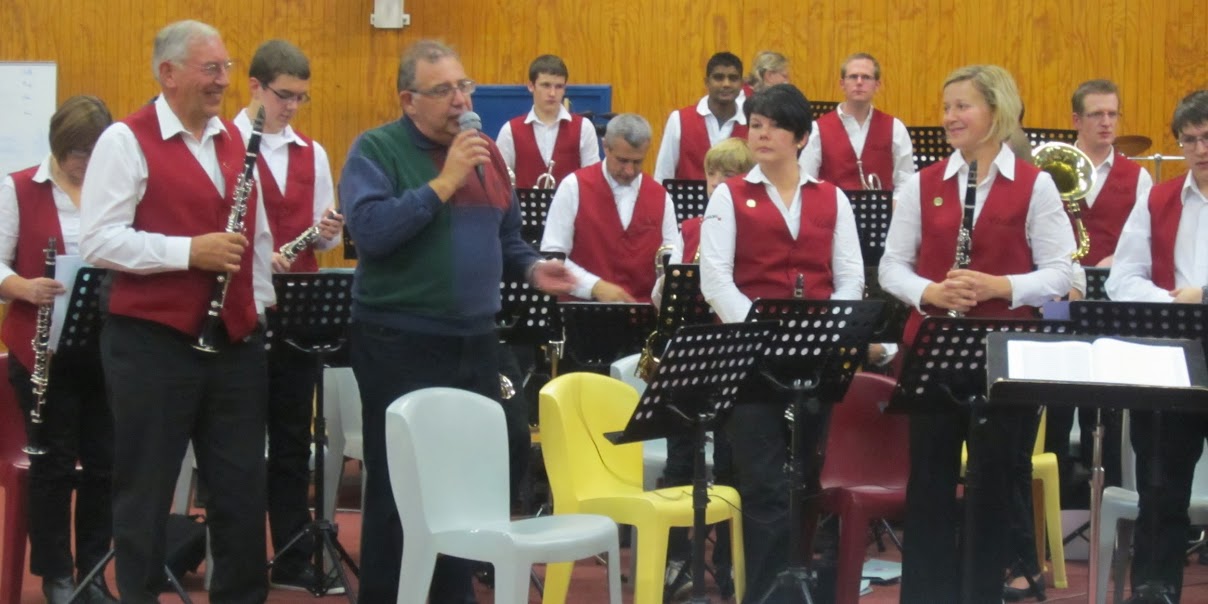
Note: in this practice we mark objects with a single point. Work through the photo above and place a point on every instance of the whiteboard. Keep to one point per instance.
(28, 98)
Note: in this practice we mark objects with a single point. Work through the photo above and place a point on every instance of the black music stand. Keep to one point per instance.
(688, 196)
(693, 388)
(1148, 320)
(821, 108)
(813, 355)
(534, 209)
(1039, 136)
(874, 211)
(682, 302)
(930, 145)
(599, 333)
(1096, 283)
(945, 369)
(312, 316)
(528, 316)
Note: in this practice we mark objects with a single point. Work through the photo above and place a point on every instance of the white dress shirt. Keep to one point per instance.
(547, 136)
(1131, 277)
(1144, 181)
(1047, 227)
(274, 148)
(559, 233)
(10, 219)
(857, 133)
(718, 235)
(669, 149)
(114, 186)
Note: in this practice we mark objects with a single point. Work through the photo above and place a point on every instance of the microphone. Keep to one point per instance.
(471, 121)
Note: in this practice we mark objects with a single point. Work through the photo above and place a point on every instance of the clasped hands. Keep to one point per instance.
(962, 289)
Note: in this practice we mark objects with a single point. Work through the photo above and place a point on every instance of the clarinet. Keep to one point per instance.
(39, 378)
(299, 244)
(964, 239)
(243, 188)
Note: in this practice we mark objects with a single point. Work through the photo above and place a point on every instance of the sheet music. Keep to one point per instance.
(66, 267)
(1106, 361)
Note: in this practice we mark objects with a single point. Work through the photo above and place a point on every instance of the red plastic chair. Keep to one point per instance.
(865, 473)
(14, 467)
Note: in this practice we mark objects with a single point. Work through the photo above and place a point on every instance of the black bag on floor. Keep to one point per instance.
(186, 546)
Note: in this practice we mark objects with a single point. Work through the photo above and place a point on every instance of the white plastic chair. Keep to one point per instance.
(1121, 503)
(447, 454)
(342, 407)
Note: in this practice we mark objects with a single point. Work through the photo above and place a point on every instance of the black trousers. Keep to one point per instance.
(164, 394)
(76, 427)
(291, 389)
(1000, 461)
(1162, 525)
(760, 439)
(681, 454)
(389, 363)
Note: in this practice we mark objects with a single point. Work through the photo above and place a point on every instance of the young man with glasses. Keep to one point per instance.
(549, 132)
(436, 225)
(856, 146)
(1158, 260)
(294, 176)
(693, 130)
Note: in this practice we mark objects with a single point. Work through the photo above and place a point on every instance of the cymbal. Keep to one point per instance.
(1133, 144)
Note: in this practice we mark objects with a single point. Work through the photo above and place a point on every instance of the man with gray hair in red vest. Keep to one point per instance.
(610, 218)
(856, 146)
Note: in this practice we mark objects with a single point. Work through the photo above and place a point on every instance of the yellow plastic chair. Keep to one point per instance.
(590, 475)
(1044, 470)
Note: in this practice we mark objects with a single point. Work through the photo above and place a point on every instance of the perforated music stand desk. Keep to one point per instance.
(313, 314)
(873, 210)
(814, 354)
(930, 144)
(599, 333)
(82, 323)
(530, 317)
(945, 369)
(695, 385)
(534, 209)
(682, 302)
(821, 108)
(688, 196)
(1096, 282)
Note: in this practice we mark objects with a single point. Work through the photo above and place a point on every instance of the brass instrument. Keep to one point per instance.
(1074, 175)
(648, 362)
(872, 182)
(243, 189)
(964, 237)
(506, 389)
(546, 181)
(39, 378)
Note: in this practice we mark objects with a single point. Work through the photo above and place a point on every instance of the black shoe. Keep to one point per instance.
(96, 592)
(678, 580)
(58, 590)
(1016, 594)
(303, 578)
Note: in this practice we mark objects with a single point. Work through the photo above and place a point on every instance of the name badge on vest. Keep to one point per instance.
(750, 203)
(938, 201)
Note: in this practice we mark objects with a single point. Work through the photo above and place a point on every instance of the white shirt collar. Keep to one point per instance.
(1004, 162)
(285, 137)
(43, 174)
(563, 115)
(1111, 155)
(613, 184)
(845, 115)
(756, 176)
(702, 108)
(170, 125)
(1191, 190)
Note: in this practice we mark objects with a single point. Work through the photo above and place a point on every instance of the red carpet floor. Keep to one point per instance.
(588, 584)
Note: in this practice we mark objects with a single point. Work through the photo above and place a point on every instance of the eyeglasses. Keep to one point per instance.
(856, 77)
(445, 91)
(216, 68)
(1191, 142)
(288, 96)
(1099, 115)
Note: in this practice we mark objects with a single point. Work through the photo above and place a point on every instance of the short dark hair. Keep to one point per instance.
(784, 104)
(876, 65)
(1078, 101)
(77, 124)
(723, 59)
(549, 65)
(1191, 111)
(276, 58)
(428, 51)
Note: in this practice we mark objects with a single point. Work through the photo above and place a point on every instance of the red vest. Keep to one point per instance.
(838, 163)
(292, 212)
(39, 222)
(565, 156)
(767, 259)
(1165, 211)
(1106, 218)
(1000, 242)
(181, 201)
(602, 247)
(690, 233)
(694, 143)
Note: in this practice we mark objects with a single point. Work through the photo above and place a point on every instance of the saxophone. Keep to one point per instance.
(243, 189)
(648, 361)
(39, 378)
(964, 239)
